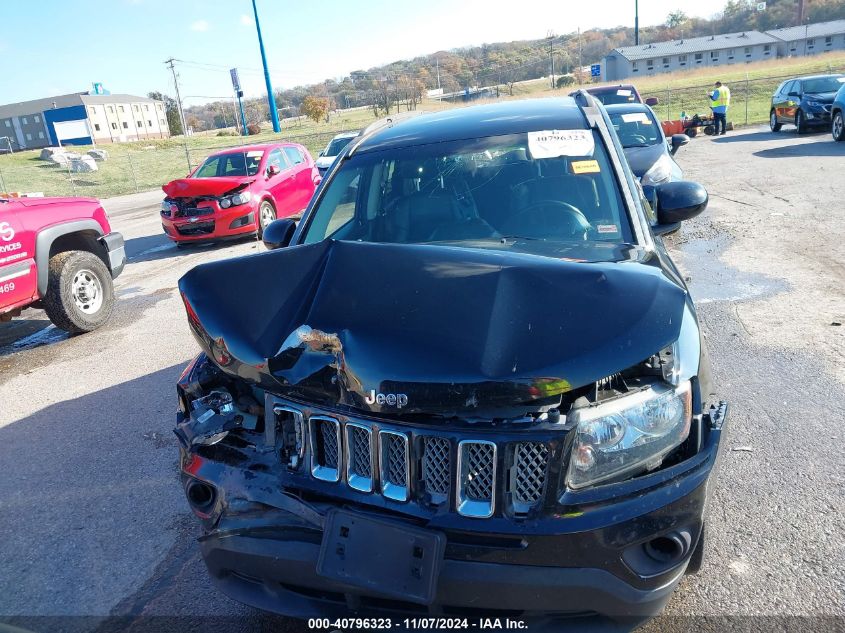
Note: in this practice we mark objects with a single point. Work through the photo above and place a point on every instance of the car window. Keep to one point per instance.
(294, 155)
(823, 84)
(277, 158)
(232, 164)
(618, 95)
(337, 145)
(792, 86)
(475, 192)
(636, 129)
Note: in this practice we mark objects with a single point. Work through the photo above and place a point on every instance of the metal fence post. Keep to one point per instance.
(70, 176)
(2, 183)
(747, 95)
(132, 170)
(668, 100)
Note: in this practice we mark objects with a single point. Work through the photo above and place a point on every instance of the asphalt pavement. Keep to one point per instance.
(96, 534)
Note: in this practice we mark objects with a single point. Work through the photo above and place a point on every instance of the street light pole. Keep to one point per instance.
(636, 23)
(274, 114)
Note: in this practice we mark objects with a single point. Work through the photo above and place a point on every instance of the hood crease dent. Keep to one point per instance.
(455, 329)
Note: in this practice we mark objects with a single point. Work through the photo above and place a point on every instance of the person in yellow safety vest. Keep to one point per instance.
(720, 100)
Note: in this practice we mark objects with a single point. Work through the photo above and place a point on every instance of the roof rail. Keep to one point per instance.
(386, 122)
(587, 104)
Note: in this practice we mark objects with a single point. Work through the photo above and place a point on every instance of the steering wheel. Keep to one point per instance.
(633, 139)
(547, 218)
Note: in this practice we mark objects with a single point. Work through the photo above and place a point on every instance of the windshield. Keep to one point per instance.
(337, 145)
(620, 95)
(636, 129)
(823, 84)
(233, 164)
(545, 185)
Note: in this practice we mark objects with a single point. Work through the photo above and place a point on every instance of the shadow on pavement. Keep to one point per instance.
(827, 147)
(156, 247)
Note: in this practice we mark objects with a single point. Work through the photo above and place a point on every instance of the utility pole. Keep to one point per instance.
(550, 35)
(636, 23)
(437, 61)
(580, 63)
(181, 113)
(274, 114)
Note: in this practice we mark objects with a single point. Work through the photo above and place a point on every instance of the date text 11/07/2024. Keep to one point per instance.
(344, 625)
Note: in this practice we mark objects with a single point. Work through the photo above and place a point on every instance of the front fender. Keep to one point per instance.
(44, 241)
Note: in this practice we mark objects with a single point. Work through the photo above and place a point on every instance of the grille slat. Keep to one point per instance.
(394, 465)
(528, 479)
(325, 448)
(476, 478)
(359, 457)
(437, 468)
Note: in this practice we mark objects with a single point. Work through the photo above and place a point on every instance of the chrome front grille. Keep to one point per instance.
(476, 492)
(403, 465)
(436, 467)
(528, 475)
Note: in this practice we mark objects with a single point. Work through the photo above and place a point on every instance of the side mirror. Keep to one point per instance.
(652, 101)
(278, 233)
(678, 141)
(676, 202)
(794, 94)
(273, 170)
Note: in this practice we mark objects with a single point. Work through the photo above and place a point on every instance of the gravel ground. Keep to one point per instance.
(94, 523)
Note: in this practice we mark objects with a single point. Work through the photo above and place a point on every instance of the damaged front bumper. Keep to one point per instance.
(603, 551)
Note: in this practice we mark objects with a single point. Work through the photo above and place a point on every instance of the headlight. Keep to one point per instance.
(659, 172)
(815, 104)
(628, 434)
(225, 203)
(241, 198)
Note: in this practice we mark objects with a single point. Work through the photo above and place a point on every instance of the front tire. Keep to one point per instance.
(80, 293)
(801, 122)
(266, 214)
(838, 128)
(773, 122)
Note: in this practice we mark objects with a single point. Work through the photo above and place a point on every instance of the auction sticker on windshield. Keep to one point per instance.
(585, 167)
(555, 143)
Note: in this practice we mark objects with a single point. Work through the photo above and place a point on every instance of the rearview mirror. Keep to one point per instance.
(678, 141)
(652, 101)
(676, 202)
(273, 170)
(278, 233)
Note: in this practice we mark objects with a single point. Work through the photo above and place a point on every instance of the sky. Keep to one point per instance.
(51, 47)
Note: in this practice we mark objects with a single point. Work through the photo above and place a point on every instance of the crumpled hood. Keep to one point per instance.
(453, 329)
(641, 159)
(194, 187)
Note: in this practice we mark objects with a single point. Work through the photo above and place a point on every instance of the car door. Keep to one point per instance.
(791, 101)
(304, 184)
(282, 185)
(18, 274)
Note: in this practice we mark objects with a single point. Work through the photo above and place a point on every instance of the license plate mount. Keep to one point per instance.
(381, 556)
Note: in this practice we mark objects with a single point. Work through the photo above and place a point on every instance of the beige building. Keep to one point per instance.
(81, 119)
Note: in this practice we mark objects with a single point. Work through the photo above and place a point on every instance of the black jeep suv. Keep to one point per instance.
(470, 382)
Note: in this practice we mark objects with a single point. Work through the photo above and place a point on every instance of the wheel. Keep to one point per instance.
(838, 128)
(692, 132)
(266, 214)
(709, 130)
(801, 122)
(80, 294)
(773, 121)
(697, 558)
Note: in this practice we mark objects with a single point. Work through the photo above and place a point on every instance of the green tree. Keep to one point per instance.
(676, 18)
(315, 108)
(171, 110)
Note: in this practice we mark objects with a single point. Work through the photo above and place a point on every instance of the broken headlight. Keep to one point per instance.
(628, 434)
(232, 201)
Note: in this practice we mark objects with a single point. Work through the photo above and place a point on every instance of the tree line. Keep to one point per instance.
(402, 84)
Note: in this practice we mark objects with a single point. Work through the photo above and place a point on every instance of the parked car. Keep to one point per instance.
(238, 192)
(61, 255)
(470, 378)
(622, 93)
(804, 102)
(650, 154)
(837, 113)
(335, 146)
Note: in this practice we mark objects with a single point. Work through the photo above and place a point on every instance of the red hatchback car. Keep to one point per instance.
(239, 191)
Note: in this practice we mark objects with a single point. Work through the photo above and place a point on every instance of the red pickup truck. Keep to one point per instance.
(59, 254)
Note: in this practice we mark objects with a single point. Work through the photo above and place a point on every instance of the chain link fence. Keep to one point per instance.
(751, 99)
(130, 167)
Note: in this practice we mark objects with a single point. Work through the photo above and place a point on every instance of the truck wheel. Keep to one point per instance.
(773, 122)
(80, 294)
(838, 128)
